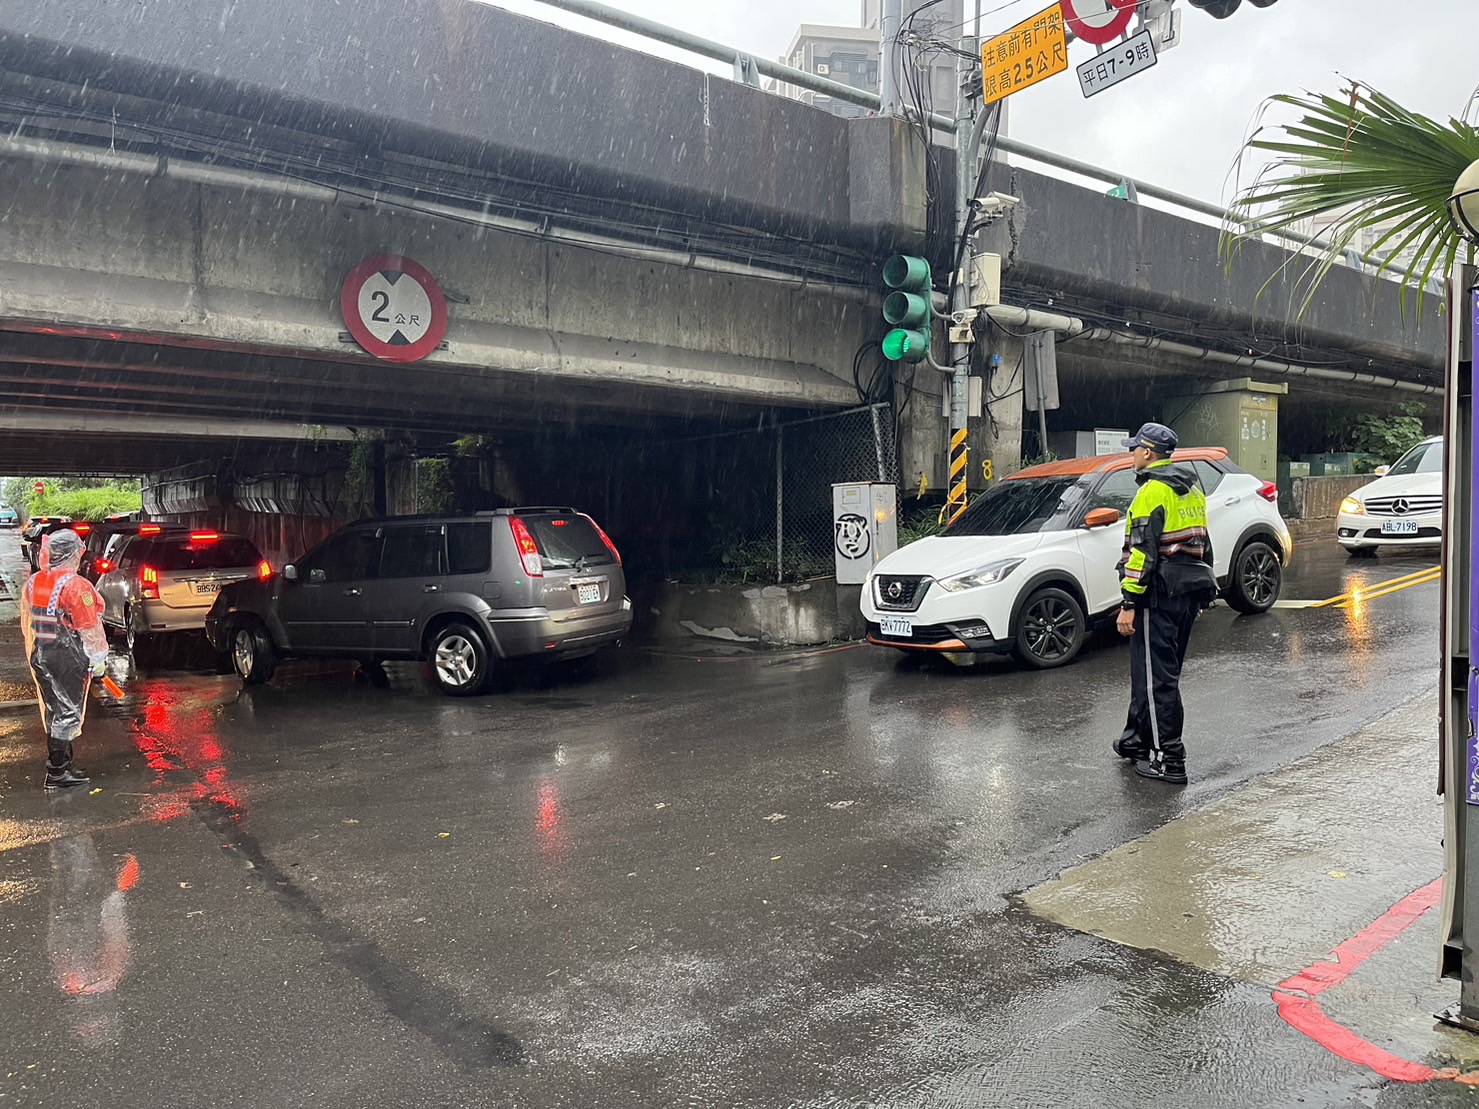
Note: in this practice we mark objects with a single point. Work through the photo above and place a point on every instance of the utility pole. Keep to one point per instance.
(967, 144)
(888, 58)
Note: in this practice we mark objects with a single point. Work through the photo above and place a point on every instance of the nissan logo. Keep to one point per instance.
(1401, 507)
(894, 591)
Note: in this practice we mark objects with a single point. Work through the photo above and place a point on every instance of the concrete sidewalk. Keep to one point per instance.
(1268, 882)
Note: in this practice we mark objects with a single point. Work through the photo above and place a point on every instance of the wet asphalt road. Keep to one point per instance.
(781, 880)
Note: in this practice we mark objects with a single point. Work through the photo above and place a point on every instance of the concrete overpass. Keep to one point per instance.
(627, 244)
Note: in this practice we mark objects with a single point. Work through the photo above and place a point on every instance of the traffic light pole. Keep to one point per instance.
(967, 144)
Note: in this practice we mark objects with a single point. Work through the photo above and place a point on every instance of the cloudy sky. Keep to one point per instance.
(1180, 125)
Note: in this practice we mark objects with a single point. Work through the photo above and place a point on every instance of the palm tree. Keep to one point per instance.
(1366, 163)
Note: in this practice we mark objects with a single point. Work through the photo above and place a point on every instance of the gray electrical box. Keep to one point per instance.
(865, 527)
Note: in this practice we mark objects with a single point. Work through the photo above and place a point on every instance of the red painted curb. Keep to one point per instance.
(1295, 995)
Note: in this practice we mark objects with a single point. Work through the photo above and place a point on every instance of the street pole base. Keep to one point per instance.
(1454, 1018)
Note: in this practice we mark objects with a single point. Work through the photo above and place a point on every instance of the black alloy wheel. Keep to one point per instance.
(1050, 629)
(1257, 578)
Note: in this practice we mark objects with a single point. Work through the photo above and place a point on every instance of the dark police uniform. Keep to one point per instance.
(1166, 576)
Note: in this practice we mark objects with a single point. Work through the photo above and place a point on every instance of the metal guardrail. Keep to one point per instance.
(746, 64)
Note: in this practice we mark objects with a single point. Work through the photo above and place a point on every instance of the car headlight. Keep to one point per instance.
(1353, 506)
(984, 575)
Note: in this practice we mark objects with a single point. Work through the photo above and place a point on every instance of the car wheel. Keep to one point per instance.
(252, 656)
(1361, 552)
(1257, 578)
(460, 662)
(1050, 629)
(138, 643)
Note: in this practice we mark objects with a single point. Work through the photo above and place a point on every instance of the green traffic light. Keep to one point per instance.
(904, 345)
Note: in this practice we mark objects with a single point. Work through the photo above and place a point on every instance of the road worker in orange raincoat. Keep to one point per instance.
(62, 622)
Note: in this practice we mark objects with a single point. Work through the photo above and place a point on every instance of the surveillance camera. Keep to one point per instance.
(994, 203)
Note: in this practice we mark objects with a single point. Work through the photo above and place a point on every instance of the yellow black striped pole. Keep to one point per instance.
(959, 455)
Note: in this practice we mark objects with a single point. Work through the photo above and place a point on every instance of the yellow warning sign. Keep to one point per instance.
(1030, 52)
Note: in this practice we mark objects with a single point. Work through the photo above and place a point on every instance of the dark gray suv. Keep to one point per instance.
(461, 592)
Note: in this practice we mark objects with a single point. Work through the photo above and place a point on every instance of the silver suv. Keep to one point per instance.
(461, 592)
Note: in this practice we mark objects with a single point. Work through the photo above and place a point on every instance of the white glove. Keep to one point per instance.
(99, 667)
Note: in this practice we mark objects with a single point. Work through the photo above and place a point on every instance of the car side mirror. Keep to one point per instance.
(290, 572)
(1381, 470)
(1102, 518)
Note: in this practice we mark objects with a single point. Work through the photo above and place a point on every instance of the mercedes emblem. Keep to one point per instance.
(1401, 507)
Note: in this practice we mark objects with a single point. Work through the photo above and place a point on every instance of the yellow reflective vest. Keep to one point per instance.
(1168, 550)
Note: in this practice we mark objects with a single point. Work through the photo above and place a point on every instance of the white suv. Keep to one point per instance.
(1402, 508)
(1030, 567)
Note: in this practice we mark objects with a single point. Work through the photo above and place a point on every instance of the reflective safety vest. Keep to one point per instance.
(47, 617)
(1167, 532)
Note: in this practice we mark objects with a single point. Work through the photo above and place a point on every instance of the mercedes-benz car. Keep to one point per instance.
(1030, 567)
(1402, 508)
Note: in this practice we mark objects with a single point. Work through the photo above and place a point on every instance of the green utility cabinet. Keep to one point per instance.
(1241, 415)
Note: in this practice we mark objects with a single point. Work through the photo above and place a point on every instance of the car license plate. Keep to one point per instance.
(896, 626)
(207, 588)
(588, 594)
(1399, 527)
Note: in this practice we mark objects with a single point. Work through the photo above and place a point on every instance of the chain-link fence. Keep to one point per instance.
(776, 524)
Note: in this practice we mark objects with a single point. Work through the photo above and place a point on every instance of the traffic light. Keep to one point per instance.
(907, 308)
(1221, 9)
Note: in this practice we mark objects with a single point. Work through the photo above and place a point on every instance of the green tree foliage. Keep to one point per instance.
(1388, 437)
(1367, 161)
(79, 498)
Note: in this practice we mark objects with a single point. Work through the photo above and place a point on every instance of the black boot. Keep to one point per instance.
(60, 773)
(1162, 770)
(1131, 746)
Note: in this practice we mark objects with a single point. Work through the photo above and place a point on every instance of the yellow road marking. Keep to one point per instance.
(1390, 585)
(1360, 596)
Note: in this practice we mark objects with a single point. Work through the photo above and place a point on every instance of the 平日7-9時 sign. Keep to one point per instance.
(1030, 52)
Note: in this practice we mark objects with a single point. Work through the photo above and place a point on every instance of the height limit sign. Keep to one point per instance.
(394, 308)
(1030, 52)
(1108, 69)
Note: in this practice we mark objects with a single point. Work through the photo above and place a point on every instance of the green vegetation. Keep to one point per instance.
(1386, 437)
(79, 498)
(1365, 160)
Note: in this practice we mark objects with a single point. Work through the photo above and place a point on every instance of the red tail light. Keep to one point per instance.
(204, 536)
(610, 546)
(149, 583)
(264, 569)
(528, 549)
(83, 530)
(103, 565)
(150, 529)
(1269, 492)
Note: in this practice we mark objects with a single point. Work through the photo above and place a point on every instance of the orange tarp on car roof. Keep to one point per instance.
(1071, 467)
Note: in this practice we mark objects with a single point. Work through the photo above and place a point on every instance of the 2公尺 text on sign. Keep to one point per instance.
(1030, 52)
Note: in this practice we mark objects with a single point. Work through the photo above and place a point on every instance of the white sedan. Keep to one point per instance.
(1402, 508)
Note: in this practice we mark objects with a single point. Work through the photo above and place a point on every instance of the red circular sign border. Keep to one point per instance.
(1100, 36)
(349, 308)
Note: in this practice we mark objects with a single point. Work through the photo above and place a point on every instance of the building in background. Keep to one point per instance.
(850, 55)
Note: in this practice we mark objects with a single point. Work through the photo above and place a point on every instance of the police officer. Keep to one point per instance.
(62, 621)
(1166, 580)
